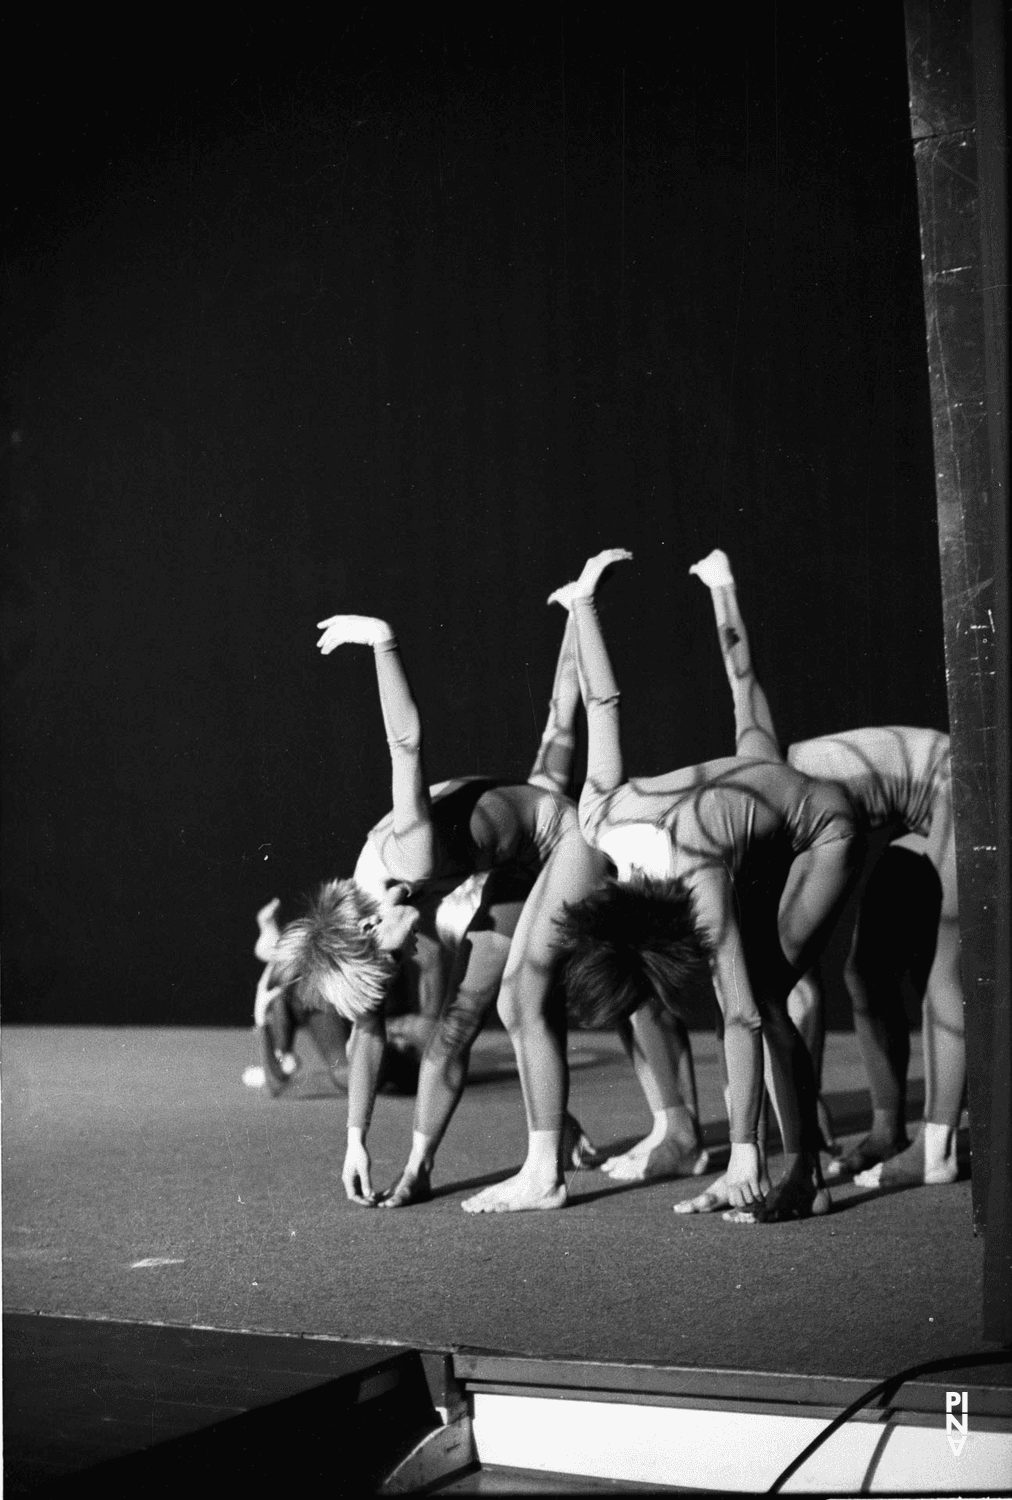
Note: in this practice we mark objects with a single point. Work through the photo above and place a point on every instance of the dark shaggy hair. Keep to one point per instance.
(628, 943)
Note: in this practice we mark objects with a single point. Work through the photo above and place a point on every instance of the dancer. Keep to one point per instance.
(649, 935)
(908, 921)
(896, 778)
(515, 852)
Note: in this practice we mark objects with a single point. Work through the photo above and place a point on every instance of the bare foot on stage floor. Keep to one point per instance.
(876, 1147)
(516, 1194)
(716, 1196)
(577, 1148)
(800, 1194)
(930, 1161)
(413, 1186)
(664, 1156)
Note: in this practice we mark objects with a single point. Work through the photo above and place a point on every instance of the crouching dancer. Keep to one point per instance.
(510, 855)
(691, 905)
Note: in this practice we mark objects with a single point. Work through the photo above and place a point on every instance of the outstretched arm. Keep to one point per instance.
(412, 825)
(754, 734)
(553, 765)
(365, 1059)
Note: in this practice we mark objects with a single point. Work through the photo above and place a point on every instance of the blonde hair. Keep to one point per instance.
(327, 958)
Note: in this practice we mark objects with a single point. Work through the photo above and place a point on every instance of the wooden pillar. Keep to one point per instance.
(956, 76)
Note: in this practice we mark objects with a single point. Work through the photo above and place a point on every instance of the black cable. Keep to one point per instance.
(888, 1389)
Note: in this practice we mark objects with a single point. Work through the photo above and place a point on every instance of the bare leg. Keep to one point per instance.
(443, 1071)
(331, 1033)
(800, 1192)
(806, 1010)
(531, 1010)
(931, 1159)
(658, 1047)
(412, 856)
(597, 681)
(816, 888)
(553, 765)
(877, 961)
(755, 736)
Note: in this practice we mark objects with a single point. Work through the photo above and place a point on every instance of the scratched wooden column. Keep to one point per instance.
(956, 112)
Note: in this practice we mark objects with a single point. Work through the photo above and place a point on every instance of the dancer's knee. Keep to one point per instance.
(511, 1010)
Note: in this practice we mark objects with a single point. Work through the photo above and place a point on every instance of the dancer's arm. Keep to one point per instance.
(365, 1059)
(412, 820)
(754, 734)
(553, 765)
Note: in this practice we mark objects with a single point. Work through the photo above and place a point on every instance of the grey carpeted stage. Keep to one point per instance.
(143, 1181)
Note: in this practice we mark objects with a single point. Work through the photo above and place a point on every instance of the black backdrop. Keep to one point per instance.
(402, 318)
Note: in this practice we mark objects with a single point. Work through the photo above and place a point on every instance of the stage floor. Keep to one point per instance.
(143, 1181)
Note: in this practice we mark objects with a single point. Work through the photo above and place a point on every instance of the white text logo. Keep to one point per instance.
(957, 1421)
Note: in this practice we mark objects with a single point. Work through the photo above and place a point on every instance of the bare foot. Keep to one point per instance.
(585, 585)
(800, 1194)
(714, 570)
(667, 1157)
(577, 1149)
(875, 1147)
(922, 1164)
(516, 1194)
(259, 1078)
(413, 1186)
(356, 630)
(715, 1197)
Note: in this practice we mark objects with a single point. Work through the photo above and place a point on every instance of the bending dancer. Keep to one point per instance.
(649, 934)
(516, 852)
(899, 779)
(908, 920)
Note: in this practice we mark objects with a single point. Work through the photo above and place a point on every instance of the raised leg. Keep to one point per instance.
(412, 856)
(553, 765)
(755, 736)
(597, 680)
